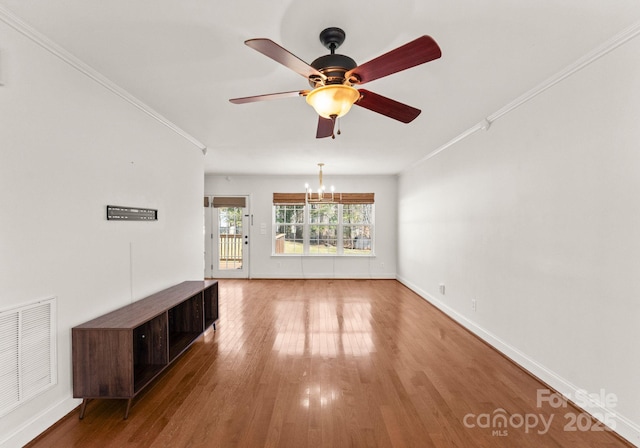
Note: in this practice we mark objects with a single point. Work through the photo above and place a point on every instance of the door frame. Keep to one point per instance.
(211, 242)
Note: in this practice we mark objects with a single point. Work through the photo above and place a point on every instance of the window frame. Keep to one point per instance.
(307, 225)
(275, 225)
(357, 224)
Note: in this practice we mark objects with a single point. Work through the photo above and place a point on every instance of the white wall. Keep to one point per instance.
(69, 147)
(264, 265)
(539, 220)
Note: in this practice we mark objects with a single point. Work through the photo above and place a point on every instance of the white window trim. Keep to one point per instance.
(306, 234)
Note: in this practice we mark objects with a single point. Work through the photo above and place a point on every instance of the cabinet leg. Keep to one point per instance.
(214, 326)
(126, 412)
(83, 407)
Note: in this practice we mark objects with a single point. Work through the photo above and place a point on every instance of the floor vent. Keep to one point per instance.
(27, 353)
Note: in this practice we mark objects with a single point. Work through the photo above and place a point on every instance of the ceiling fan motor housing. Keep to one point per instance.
(334, 67)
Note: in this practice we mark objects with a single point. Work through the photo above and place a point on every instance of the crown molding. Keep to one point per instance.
(619, 39)
(27, 30)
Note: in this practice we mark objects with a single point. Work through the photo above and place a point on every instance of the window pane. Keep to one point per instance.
(357, 213)
(230, 240)
(230, 220)
(289, 239)
(290, 214)
(357, 239)
(323, 239)
(323, 213)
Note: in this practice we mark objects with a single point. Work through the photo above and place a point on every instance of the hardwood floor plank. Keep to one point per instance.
(328, 363)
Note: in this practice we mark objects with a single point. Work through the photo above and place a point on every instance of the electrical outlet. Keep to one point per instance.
(474, 304)
(441, 288)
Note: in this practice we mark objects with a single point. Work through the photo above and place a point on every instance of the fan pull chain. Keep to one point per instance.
(336, 120)
(333, 119)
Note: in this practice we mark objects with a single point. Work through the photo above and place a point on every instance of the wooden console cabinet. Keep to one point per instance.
(116, 355)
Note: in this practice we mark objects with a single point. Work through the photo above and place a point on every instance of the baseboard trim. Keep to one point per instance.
(35, 426)
(624, 427)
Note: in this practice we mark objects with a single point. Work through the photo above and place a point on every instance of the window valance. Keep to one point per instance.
(227, 201)
(338, 198)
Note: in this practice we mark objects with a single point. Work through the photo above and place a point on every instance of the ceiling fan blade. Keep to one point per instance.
(268, 96)
(386, 106)
(325, 127)
(416, 52)
(271, 49)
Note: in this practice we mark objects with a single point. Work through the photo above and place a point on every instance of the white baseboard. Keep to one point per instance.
(623, 426)
(39, 423)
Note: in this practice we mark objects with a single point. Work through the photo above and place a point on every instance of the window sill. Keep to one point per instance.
(324, 255)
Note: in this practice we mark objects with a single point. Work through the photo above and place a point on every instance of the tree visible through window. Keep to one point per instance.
(357, 222)
(323, 229)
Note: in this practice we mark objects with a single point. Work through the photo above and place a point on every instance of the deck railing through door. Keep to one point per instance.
(230, 247)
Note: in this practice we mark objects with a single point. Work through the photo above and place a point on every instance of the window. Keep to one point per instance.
(357, 220)
(289, 226)
(323, 228)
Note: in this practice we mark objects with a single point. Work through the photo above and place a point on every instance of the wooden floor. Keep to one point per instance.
(333, 363)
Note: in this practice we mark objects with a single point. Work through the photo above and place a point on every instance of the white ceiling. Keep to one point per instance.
(185, 59)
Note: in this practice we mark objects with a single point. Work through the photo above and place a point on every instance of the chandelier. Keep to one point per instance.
(319, 196)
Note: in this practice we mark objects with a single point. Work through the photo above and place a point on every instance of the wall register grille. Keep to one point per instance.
(27, 353)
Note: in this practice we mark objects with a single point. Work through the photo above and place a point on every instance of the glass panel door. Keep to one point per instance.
(230, 238)
(227, 233)
(231, 243)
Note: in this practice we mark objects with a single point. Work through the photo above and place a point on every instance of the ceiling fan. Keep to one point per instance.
(333, 76)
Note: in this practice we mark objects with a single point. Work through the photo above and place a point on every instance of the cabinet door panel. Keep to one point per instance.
(150, 342)
(102, 361)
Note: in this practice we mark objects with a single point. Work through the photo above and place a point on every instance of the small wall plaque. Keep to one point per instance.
(118, 213)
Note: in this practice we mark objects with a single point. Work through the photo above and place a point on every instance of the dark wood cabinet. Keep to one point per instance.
(116, 355)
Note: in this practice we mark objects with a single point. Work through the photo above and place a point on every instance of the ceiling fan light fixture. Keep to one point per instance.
(333, 100)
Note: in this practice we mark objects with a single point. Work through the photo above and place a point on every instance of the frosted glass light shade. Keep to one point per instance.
(333, 99)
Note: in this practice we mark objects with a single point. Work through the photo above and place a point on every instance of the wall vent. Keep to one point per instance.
(27, 353)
